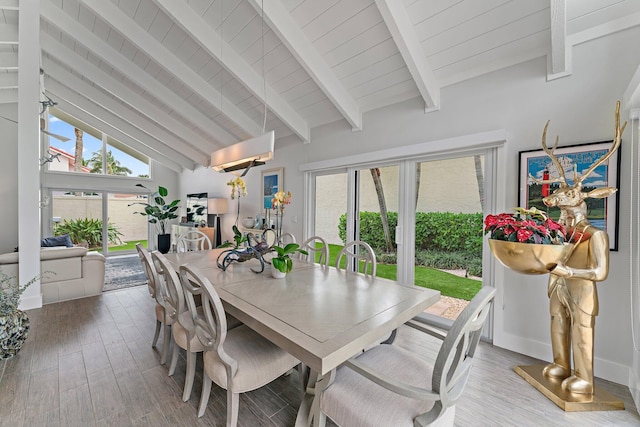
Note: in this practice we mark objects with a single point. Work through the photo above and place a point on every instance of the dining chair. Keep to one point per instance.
(238, 360)
(358, 253)
(389, 385)
(193, 240)
(313, 245)
(286, 238)
(155, 283)
(183, 330)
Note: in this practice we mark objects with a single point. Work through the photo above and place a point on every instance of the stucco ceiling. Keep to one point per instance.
(180, 78)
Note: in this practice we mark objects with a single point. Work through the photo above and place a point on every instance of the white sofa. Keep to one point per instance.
(76, 272)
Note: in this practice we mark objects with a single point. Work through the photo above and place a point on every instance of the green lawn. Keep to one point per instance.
(127, 246)
(448, 284)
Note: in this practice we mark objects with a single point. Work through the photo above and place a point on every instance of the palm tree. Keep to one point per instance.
(377, 182)
(77, 164)
(113, 166)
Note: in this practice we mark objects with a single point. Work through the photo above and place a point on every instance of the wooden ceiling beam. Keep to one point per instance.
(148, 45)
(182, 133)
(98, 117)
(559, 61)
(292, 36)
(188, 113)
(397, 20)
(171, 143)
(209, 40)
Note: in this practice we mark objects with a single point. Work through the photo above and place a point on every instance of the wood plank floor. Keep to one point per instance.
(90, 362)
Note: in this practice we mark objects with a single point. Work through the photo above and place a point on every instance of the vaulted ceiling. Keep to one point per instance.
(177, 79)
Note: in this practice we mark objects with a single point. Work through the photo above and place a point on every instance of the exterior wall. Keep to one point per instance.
(121, 215)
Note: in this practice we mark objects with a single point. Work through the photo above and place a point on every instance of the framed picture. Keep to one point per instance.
(272, 182)
(602, 213)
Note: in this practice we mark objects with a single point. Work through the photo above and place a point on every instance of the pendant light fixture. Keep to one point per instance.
(253, 151)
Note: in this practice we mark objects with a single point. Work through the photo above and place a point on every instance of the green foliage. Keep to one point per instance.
(448, 284)
(436, 231)
(10, 292)
(87, 230)
(238, 239)
(159, 212)
(282, 260)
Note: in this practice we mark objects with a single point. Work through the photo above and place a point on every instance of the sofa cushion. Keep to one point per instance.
(63, 240)
(62, 252)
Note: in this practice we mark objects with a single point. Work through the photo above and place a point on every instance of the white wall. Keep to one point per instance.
(9, 179)
(215, 184)
(520, 100)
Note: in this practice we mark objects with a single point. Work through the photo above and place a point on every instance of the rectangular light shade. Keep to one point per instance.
(217, 206)
(233, 157)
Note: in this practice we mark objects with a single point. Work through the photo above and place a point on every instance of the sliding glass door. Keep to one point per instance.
(81, 214)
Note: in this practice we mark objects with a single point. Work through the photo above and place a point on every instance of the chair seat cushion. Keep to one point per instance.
(259, 361)
(162, 317)
(180, 336)
(353, 400)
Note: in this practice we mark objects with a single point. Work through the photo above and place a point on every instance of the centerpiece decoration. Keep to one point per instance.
(278, 203)
(281, 264)
(527, 241)
(238, 189)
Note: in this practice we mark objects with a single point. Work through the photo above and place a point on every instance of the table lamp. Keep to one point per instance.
(216, 207)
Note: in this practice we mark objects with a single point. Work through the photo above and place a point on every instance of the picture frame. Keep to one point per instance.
(602, 213)
(272, 181)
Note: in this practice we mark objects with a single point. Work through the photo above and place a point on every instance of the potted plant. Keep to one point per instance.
(14, 323)
(159, 212)
(281, 263)
(527, 241)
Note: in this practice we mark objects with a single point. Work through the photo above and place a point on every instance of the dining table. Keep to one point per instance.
(321, 315)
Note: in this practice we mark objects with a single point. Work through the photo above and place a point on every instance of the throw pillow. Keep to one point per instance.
(63, 240)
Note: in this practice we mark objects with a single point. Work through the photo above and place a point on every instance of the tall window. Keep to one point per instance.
(71, 139)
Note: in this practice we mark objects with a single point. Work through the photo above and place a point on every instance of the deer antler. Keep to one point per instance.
(561, 178)
(617, 140)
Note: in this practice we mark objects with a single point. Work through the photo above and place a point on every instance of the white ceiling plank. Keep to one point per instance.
(8, 96)
(101, 49)
(292, 36)
(559, 60)
(9, 80)
(116, 108)
(495, 59)
(210, 41)
(154, 49)
(9, 5)
(8, 60)
(105, 81)
(404, 35)
(606, 28)
(8, 34)
(94, 115)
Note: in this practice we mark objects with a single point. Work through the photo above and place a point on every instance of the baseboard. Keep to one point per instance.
(605, 369)
(634, 388)
(28, 303)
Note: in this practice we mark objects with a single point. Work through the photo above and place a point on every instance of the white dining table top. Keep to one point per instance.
(321, 315)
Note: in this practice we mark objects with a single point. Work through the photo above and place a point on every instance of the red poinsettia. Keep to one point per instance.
(525, 226)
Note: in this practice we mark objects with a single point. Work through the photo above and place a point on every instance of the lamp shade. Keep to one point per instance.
(217, 206)
(244, 154)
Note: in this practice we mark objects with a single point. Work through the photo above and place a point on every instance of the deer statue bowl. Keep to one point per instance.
(530, 258)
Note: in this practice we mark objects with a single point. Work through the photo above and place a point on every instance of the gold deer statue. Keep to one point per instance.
(573, 297)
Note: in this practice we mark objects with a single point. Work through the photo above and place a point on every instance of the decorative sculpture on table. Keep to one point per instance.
(573, 298)
(253, 250)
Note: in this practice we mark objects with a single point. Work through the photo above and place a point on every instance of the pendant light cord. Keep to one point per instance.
(634, 156)
(264, 84)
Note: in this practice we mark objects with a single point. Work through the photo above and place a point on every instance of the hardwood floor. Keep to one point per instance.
(90, 362)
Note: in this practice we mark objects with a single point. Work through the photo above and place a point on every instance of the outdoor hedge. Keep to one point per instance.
(435, 231)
